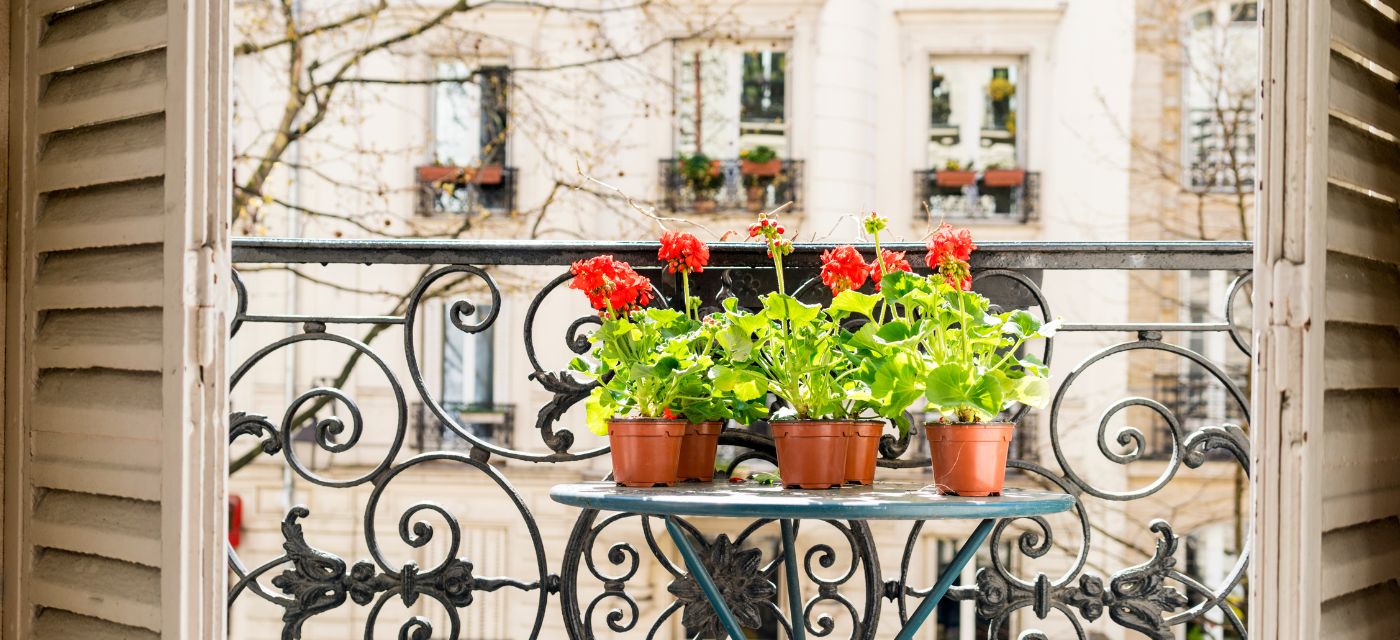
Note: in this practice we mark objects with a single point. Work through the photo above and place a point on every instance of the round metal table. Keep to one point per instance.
(881, 501)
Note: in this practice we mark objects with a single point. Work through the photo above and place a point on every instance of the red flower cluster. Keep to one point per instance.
(766, 227)
(948, 252)
(611, 285)
(892, 261)
(843, 268)
(683, 252)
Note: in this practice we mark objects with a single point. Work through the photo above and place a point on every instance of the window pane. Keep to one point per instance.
(494, 85)
(728, 99)
(762, 97)
(456, 117)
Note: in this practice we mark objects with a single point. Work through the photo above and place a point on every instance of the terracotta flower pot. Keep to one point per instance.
(704, 205)
(862, 450)
(812, 453)
(1003, 177)
(645, 451)
(951, 178)
(969, 459)
(766, 169)
(697, 463)
(488, 174)
(754, 195)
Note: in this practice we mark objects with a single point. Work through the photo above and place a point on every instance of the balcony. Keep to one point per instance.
(740, 187)
(608, 571)
(1007, 196)
(452, 190)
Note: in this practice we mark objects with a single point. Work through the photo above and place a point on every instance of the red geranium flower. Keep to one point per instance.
(948, 242)
(611, 285)
(683, 252)
(948, 252)
(843, 268)
(892, 261)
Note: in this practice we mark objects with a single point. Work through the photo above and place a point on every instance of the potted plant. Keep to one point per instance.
(649, 364)
(997, 175)
(953, 175)
(1000, 90)
(970, 366)
(684, 253)
(702, 177)
(802, 354)
(760, 161)
(759, 166)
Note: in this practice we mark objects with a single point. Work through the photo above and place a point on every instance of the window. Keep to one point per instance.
(470, 113)
(1221, 80)
(973, 103)
(468, 379)
(730, 98)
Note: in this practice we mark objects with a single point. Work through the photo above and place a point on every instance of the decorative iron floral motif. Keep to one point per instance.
(737, 573)
(1136, 598)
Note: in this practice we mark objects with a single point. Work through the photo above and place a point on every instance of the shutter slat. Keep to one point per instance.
(1362, 159)
(118, 528)
(1362, 226)
(98, 403)
(1360, 557)
(125, 339)
(1365, 615)
(100, 154)
(1361, 357)
(100, 32)
(97, 587)
(1355, 291)
(1361, 28)
(117, 90)
(95, 278)
(1363, 95)
(57, 624)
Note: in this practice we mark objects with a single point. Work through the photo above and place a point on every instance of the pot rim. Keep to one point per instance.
(639, 419)
(998, 424)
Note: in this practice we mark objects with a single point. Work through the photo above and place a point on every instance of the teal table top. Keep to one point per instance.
(881, 501)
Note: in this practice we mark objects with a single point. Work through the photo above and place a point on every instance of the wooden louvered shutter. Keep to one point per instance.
(1327, 305)
(116, 286)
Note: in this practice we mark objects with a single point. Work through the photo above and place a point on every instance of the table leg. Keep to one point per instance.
(945, 581)
(799, 624)
(707, 585)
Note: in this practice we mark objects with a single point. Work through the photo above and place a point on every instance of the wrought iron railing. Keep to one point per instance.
(980, 199)
(737, 190)
(494, 423)
(591, 585)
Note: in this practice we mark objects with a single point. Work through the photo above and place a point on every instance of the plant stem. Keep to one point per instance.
(685, 289)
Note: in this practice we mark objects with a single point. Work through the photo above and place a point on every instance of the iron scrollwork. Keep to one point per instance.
(1154, 597)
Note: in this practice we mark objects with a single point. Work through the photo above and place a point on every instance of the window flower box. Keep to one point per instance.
(1003, 177)
(490, 174)
(954, 177)
(767, 169)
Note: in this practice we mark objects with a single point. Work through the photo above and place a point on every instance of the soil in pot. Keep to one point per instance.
(697, 462)
(645, 451)
(862, 451)
(969, 459)
(812, 453)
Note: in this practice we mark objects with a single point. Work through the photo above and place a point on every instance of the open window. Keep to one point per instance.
(731, 133)
(470, 136)
(1220, 83)
(975, 153)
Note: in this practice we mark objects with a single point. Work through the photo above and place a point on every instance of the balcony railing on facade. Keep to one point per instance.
(458, 190)
(592, 576)
(737, 186)
(493, 423)
(992, 195)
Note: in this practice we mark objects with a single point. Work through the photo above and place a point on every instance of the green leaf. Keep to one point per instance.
(1032, 391)
(784, 307)
(736, 343)
(745, 385)
(596, 414)
(946, 387)
(852, 301)
(665, 366)
(985, 395)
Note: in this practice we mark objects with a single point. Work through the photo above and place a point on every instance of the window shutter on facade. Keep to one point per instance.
(116, 286)
(1327, 450)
